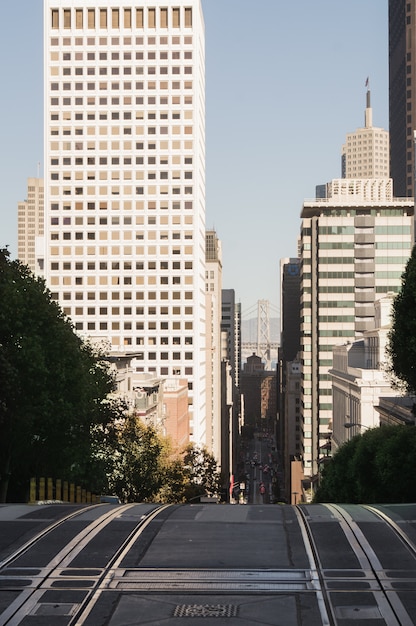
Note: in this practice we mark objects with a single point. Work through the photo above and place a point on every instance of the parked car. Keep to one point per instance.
(110, 499)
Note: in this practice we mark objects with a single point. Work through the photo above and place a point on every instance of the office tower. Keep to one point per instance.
(231, 331)
(289, 426)
(402, 94)
(30, 218)
(125, 180)
(213, 279)
(354, 247)
(290, 312)
(365, 153)
(230, 381)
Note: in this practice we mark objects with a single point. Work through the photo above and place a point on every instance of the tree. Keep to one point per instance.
(53, 386)
(402, 338)
(378, 466)
(201, 471)
(137, 472)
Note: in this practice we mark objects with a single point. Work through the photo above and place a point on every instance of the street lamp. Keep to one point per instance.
(352, 424)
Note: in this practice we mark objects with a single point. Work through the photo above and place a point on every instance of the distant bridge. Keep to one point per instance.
(263, 347)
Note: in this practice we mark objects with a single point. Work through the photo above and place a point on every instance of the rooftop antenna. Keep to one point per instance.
(368, 111)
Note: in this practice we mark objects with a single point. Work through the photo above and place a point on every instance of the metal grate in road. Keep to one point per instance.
(212, 580)
(206, 610)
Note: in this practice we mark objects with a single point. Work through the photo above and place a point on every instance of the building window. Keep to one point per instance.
(176, 20)
(103, 18)
(67, 18)
(163, 18)
(55, 18)
(78, 18)
(151, 18)
(188, 17)
(139, 18)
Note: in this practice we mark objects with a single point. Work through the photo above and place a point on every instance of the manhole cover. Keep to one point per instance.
(357, 612)
(54, 609)
(205, 610)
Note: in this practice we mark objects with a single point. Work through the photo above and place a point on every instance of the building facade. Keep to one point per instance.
(355, 244)
(402, 94)
(231, 411)
(30, 224)
(365, 153)
(213, 286)
(125, 181)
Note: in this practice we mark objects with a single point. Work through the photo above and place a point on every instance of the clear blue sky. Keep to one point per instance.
(285, 82)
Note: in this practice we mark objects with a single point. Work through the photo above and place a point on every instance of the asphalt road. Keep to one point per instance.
(237, 565)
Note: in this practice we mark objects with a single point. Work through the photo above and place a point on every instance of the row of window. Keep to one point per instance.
(150, 311)
(348, 260)
(134, 42)
(376, 229)
(175, 325)
(118, 265)
(152, 250)
(127, 205)
(350, 289)
(127, 295)
(66, 116)
(127, 220)
(116, 18)
(116, 71)
(116, 175)
(104, 235)
(151, 85)
(126, 100)
(127, 55)
(163, 159)
(350, 245)
(115, 191)
(56, 146)
(91, 281)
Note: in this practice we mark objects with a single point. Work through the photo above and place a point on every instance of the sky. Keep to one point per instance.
(285, 83)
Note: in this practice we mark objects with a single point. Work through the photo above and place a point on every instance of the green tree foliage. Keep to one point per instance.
(378, 466)
(52, 386)
(402, 337)
(137, 472)
(201, 472)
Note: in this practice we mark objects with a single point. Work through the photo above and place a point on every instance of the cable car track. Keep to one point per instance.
(374, 575)
(40, 579)
(326, 564)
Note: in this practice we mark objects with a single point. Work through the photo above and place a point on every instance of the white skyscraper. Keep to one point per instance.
(365, 153)
(125, 180)
(30, 216)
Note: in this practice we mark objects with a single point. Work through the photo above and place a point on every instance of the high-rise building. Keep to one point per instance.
(365, 153)
(354, 247)
(289, 431)
(125, 180)
(230, 382)
(30, 224)
(213, 278)
(402, 94)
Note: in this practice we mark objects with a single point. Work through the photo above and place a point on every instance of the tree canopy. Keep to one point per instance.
(402, 337)
(378, 466)
(52, 384)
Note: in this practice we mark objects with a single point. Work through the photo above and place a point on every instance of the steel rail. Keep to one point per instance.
(103, 581)
(31, 542)
(409, 544)
(26, 600)
(324, 604)
(391, 607)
